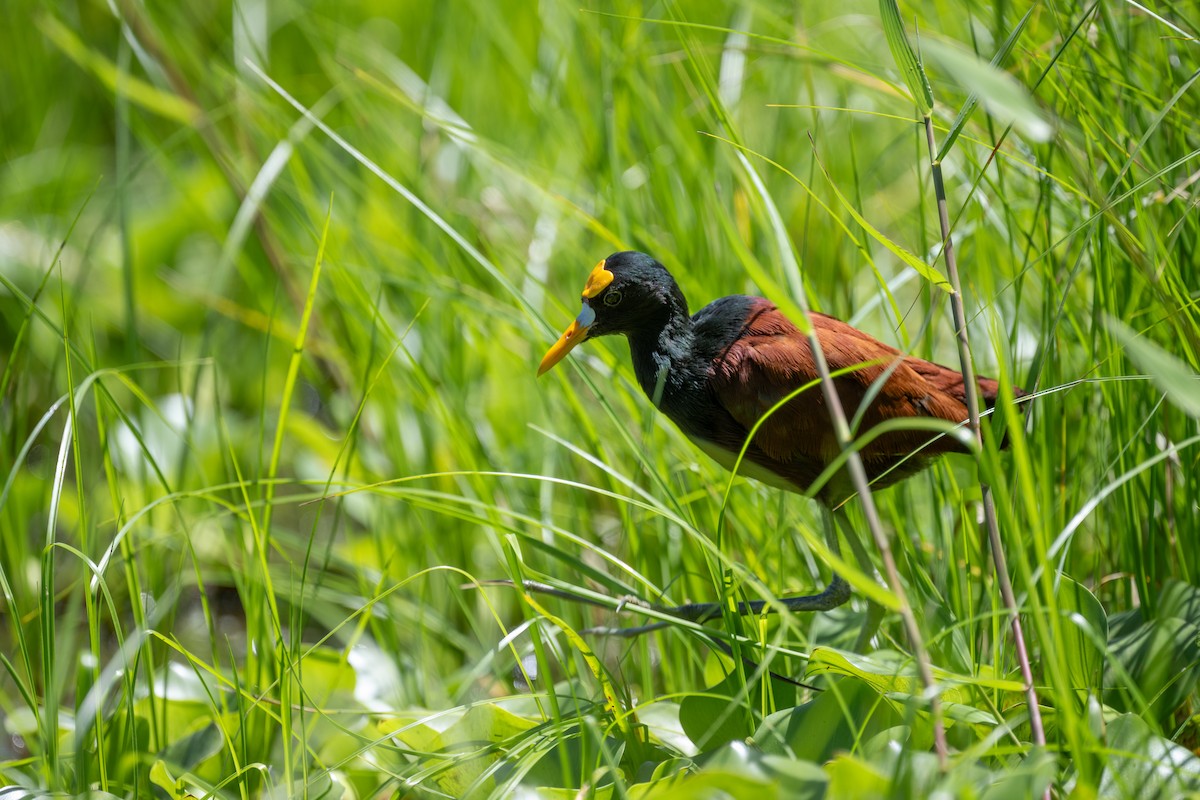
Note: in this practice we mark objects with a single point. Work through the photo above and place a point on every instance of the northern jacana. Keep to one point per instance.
(716, 373)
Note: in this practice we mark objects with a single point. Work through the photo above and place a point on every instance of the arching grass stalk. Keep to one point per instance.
(841, 426)
(918, 83)
(972, 395)
(858, 478)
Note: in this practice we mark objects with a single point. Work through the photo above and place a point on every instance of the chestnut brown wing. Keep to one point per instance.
(772, 359)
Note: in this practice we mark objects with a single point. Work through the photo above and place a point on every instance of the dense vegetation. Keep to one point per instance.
(275, 279)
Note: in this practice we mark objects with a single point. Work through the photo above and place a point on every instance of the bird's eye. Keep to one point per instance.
(612, 297)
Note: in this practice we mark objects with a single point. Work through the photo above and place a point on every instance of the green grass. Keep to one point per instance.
(268, 413)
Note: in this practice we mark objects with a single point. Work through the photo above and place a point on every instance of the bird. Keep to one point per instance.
(717, 373)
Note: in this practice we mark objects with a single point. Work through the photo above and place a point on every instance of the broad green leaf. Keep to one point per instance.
(319, 786)
(1154, 653)
(718, 715)
(882, 677)
(906, 771)
(161, 777)
(661, 721)
(328, 677)
(566, 793)
(488, 722)
(466, 738)
(564, 763)
(1180, 600)
(1001, 94)
(906, 59)
(1030, 777)
(958, 712)
(915, 772)
(192, 749)
(709, 783)
(182, 788)
(799, 779)
(892, 676)
(714, 718)
(1180, 383)
(845, 714)
(852, 778)
(1145, 765)
(741, 771)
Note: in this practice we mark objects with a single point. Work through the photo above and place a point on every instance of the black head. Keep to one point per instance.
(625, 293)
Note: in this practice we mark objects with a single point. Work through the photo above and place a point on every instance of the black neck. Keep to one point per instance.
(661, 352)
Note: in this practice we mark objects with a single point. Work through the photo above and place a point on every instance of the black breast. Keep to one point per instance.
(685, 395)
(720, 323)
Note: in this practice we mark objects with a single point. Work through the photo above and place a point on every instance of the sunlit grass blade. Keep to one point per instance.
(902, 51)
(1179, 382)
(1003, 97)
(144, 94)
(972, 101)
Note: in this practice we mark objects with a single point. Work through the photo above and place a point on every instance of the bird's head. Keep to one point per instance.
(625, 293)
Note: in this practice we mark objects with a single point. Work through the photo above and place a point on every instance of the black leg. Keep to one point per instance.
(874, 610)
(834, 595)
(838, 591)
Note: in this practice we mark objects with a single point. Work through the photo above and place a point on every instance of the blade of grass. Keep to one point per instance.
(902, 52)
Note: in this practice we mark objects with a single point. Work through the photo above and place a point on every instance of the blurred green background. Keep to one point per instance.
(170, 569)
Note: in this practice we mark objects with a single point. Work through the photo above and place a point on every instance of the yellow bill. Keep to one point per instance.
(572, 336)
(577, 332)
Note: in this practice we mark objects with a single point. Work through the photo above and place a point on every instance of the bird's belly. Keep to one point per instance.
(747, 468)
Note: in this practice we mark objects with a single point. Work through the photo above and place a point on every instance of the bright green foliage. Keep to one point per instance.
(906, 58)
(275, 278)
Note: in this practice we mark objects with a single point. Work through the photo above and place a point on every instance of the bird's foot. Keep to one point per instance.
(631, 600)
(834, 595)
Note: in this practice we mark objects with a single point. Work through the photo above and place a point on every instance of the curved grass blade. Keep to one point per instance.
(968, 108)
(1179, 382)
(910, 65)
